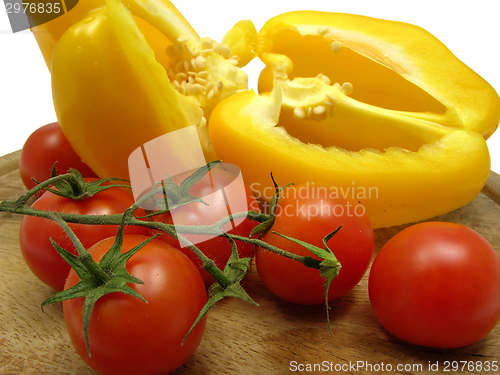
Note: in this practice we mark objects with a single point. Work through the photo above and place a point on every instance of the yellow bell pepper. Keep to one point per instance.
(128, 72)
(380, 110)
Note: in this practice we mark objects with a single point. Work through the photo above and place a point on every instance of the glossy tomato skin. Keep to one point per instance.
(39, 254)
(42, 149)
(436, 284)
(310, 216)
(129, 336)
(216, 248)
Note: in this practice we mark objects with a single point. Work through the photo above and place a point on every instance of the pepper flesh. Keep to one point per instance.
(401, 130)
(128, 73)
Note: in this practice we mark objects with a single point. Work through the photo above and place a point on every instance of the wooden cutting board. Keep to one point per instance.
(240, 338)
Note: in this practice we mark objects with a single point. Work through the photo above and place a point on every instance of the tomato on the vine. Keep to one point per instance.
(436, 284)
(216, 248)
(42, 149)
(129, 336)
(309, 212)
(39, 254)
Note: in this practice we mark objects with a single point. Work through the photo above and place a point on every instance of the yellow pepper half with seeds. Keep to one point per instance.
(128, 72)
(380, 110)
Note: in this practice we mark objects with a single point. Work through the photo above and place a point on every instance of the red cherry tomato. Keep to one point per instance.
(42, 149)
(308, 213)
(129, 336)
(39, 254)
(216, 248)
(436, 284)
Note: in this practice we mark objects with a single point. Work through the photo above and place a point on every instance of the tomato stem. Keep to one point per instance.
(305, 260)
(85, 257)
(208, 264)
(23, 199)
(258, 216)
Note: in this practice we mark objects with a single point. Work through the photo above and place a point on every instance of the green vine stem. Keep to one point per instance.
(19, 206)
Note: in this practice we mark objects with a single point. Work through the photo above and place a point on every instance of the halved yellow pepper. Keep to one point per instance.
(127, 73)
(381, 110)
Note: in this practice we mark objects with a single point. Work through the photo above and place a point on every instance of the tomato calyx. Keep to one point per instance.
(266, 224)
(235, 269)
(177, 195)
(73, 185)
(96, 279)
(329, 267)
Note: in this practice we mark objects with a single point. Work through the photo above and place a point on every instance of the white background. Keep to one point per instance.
(469, 29)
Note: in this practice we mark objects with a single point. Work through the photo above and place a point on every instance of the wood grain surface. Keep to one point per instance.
(240, 338)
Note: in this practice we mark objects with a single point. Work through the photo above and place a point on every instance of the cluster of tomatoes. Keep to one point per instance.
(433, 284)
(120, 324)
